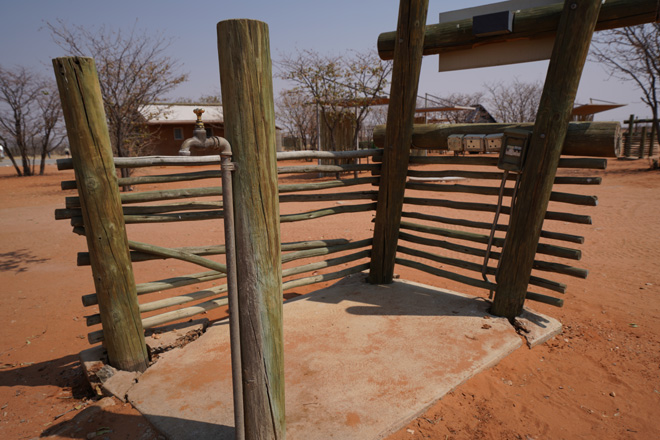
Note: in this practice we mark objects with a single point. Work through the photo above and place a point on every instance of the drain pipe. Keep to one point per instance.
(200, 139)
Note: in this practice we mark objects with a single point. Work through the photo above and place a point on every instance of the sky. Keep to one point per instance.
(327, 27)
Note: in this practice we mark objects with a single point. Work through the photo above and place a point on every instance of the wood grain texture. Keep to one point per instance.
(396, 151)
(96, 180)
(247, 92)
(568, 57)
(527, 24)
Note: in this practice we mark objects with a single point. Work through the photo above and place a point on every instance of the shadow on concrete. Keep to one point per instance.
(407, 298)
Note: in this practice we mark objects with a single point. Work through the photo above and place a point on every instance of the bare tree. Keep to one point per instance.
(51, 133)
(456, 100)
(133, 69)
(340, 86)
(633, 54)
(298, 116)
(30, 118)
(517, 101)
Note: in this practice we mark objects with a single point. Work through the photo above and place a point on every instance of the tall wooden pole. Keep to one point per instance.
(96, 180)
(642, 143)
(247, 94)
(574, 34)
(627, 149)
(398, 137)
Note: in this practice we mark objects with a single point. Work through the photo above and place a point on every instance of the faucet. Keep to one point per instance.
(199, 139)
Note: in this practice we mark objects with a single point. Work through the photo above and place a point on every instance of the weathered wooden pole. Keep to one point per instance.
(96, 180)
(627, 149)
(595, 139)
(642, 142)
(528, 24)
(654, 136)
(569, 53)
(247, 94)
(398, 136)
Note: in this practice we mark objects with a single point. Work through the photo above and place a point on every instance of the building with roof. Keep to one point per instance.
(170, 124)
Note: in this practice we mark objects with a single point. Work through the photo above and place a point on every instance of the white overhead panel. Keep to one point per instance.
(495, 19)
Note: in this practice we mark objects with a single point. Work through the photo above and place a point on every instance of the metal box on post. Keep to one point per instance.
(455, 142)
(494, 142)
(474, 143)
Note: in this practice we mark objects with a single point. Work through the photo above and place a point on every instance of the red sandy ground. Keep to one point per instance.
(599, 379)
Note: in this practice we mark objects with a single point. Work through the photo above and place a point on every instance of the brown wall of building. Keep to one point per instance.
(164, 143)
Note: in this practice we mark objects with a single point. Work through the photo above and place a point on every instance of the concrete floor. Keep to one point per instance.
(360, 362)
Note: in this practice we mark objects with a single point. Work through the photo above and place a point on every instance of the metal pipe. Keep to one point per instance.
(211, 142)
(200, 140)
(484, 267)
(513, 203)
(227, 166)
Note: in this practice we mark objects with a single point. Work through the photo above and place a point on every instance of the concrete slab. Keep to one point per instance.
(360, 362)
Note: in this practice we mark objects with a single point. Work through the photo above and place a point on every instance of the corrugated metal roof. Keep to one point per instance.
(181, 113)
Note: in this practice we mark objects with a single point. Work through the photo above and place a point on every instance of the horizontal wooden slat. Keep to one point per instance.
(328, 168)
(473, 281)
(325, 263)
(154, 196)
(325, 277)
(326, 212)
(542, 248)
(534, 280)
(357, 195)
(286, 188)
(486, 207)
(483, 225)
(539, 265)
(574, 199)
(311, 154)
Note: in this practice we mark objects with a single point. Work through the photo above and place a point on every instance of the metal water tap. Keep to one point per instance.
(200, 140)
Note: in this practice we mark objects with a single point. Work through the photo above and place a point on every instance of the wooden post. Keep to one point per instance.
(642, 142)
(576, 27)
(654, 136)
(398, 136)
(627, 149)
(247, 94)
(96, 180)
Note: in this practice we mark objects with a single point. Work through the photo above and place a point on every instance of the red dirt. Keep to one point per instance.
(599, 379)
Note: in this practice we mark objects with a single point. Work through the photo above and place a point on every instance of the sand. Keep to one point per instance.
(599, 379)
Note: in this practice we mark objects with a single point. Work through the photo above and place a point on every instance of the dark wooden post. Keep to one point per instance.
(398, 137)
(576, 27)
(96, 180)
(627, 149)
(247, 95)
(653, 136)
(642, 143)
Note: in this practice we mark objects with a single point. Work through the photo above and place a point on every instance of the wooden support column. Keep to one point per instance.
(627, 149)
(570, 50)
(642, 142)
(96, 180)
(398, 137)
(247, 95)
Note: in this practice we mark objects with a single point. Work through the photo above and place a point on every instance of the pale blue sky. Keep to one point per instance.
(328, 27)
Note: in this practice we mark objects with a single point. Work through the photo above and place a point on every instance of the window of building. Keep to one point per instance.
(178, 133)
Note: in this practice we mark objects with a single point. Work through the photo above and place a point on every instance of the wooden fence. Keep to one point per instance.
(182, 205)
